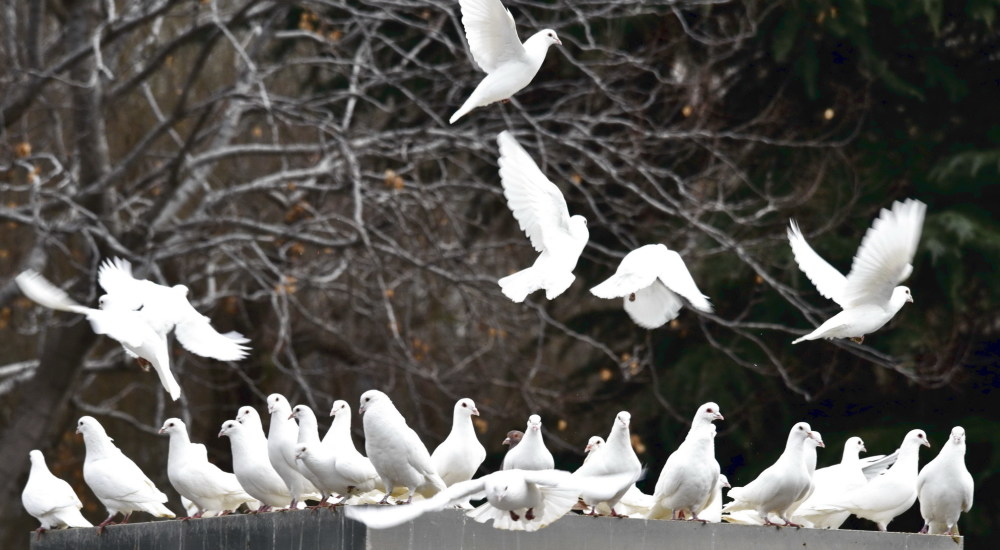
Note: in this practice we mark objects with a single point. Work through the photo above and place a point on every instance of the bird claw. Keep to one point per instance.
(858, 339)
(38, 533)
(514, 516)
(530, 514)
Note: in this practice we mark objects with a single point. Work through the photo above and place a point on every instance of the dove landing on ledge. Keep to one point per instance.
(868, 294)
(509, 65)
(541, 212)
(49, 499)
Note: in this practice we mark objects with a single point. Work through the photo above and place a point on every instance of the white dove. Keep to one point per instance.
(354, 469)
(688, 479)
(508, 64)
(397, 453)
(868, 294)
(890, 494)
(831, 482)
(250, 462)
(541, 212)
(140, 314)
(606, 477)
(282, 434)
(116, 481)
(307, 435)
(459, 456)
(197, 479)
(49, 499)
(779, 486)
(594, 444)
(945, 487)
(653, 279)
(634, 503)
(530, 453)
(516, 500)
(713, 508)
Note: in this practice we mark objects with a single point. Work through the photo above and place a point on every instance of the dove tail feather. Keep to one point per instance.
(501, 518)
(156, 509)
(73, 518)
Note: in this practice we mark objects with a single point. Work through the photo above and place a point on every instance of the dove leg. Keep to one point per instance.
(615, 514)
(530, 514)
(514, 516)
(694, 517)
(105, 523)
(924, 529)
(125, 519)
(858, 339)
(593, 511)
(294, 504)
(38, 533)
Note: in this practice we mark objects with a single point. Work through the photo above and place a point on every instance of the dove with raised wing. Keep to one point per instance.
(890, 494)
(209, 488)
(608, 475)
(397, 453)
(831, 482)
(654, 283)
(780, 485)
(49, 499)
(691, 473)
(459, 456)
(945, 487)
(509, 65)
(116, 481)
(530, 452)
(869, 294)
(541, 212)
(516, 500)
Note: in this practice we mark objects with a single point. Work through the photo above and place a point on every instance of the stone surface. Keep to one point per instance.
(450, 529)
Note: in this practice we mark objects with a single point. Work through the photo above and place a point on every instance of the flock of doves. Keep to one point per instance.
(292, 463)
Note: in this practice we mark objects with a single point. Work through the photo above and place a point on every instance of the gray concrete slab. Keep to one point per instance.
(450, 529)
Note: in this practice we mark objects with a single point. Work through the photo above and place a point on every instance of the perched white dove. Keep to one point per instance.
(634, 503)
(116, 481)
(459, 456)
(397, 453)
(654, 283)
(282, 433)
(542, 213)
(890, 494)
(197, 479)
(831, 482)
(508, 64)
(49, 499)
(779, 486)
(713, 508)
(868, 294)
(140, 314)
(945, 487)
(355, 473)
(251, 464)
(688, 479)
(307, 435)
(609, 474)
(516, 500)
(530, 452)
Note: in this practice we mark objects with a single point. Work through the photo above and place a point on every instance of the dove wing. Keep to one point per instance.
(675, 275)
(115, 277)
(44, 293)
(828, 281)
(884, 258)
(383, 517)
(198, 336)
(637, 270)
(537, 204)
(492, 35)
(874, 466)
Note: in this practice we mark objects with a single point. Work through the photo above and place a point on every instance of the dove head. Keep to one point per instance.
(541, 40)
(623, 419)
(534, 423)
(172, 425)
(916, 438)
(277, 404)
(36, 457)
(466, 407)
(180, 289)
(229, 427)
(815, 439)
(578, 228)
(299, 411)
(957, 435)
(900, 296)
(301, 451)
(593, 444)
(724, 481)
(339, 406)
(371, 398)
(708, 413)
(248, 415)
(799, 433)
(89, 426)
(513, 438)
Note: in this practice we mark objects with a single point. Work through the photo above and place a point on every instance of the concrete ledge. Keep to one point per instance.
(450, 529)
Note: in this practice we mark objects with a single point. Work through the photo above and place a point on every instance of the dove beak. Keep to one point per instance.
(558, 41)
(863, 449)
(926, 443)
(361, 410)
(909, 299)
(222, 433)
(726, 484)
(162, 431)
(78, 431)
(718, 416)
(506, 440)
(588, 448)
(291, 416)
(475, 411)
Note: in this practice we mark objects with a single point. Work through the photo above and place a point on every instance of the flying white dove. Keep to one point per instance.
(653, 279)
(516, 500)
(197, 479)
(688, 480)
(140, 314)
(530, 452)
(779, 486)
(282, 433)
(868, 294)
(945, 487)
(890, 494)
(541, 212)
(116, 481)
(397, 453)
(606, 477)
(508, 64)
(251, 465)
(459, 456)
(49, 499)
